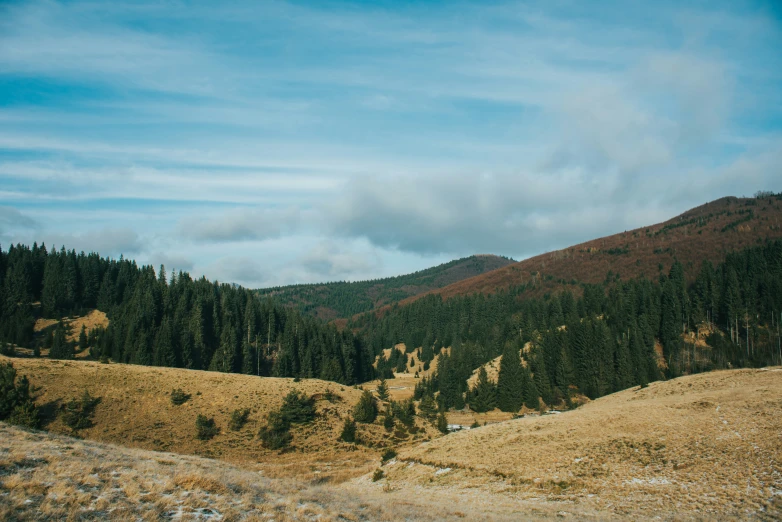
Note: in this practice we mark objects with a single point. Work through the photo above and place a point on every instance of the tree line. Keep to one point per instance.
(597, 342)
(176, 321)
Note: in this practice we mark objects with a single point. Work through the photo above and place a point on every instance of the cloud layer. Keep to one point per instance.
(284, 142)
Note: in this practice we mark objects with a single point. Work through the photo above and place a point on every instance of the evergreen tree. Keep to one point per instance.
(382, 390)
(510, 391)
(366, 409)
(348, 433)
(483, 396)
(61, 347)
(83, 339)
(442, 423)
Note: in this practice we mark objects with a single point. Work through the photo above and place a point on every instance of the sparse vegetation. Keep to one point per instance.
(178, 396)
(206, 428)
(348, 433)
(16, 404)
(238, 419)
(78, 414)
(377, 475)
(387, 455)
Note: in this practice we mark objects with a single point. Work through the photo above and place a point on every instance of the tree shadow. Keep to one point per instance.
(47, 413)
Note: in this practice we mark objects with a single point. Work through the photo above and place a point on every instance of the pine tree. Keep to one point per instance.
(348, 430)
(428, 407)
(366, 409)
(510, 391)
(61, 348)
(442, 423)
(382, 390)
(483, 396)
(83, 339)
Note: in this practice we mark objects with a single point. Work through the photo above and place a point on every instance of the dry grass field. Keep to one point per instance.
(53, 477)
(701, 447)
(136, 411)
(706, 446)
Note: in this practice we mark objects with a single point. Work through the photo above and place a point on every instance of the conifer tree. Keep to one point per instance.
(366, 409)
(442, 423)
(510, 391)
(83, 339)
(428, 407)
(483, 396)
(61, 347)
(382, 390)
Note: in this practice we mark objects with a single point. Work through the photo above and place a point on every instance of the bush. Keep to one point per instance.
(276, 433)
(366, 408)
(404, 411)
(179, 397)
(16, 405)
(388, 421)
(78, 413)
(377, 475)
(348, 430)
(238, 419)
(297, 408)
(387, 455)
(206, 427)
(474, 425)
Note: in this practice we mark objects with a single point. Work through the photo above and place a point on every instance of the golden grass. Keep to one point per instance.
(53, 477)
(699, 447)
(136, 411)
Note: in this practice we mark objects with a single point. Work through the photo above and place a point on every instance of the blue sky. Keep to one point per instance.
(271, 143)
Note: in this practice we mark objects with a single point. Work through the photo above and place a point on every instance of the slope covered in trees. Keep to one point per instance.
(341, 299)
(177, 322)
(598, 342)
(705, 233)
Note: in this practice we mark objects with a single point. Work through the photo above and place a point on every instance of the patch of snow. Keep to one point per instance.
(442, 471)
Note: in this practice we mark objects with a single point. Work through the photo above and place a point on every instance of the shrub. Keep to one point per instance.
(297, 408)
(388, 421)
(78, 413)
(387, 455)
(238, 419)
(206, 427)
(475, 425)
(179, 397)
(16, 405)
(404, 411)
(348, 430)
(377, 475)
(276, 433)
(104, 359)
(366, 408)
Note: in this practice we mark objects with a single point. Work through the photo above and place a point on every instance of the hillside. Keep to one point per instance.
(696, 447)
(136, 411)
(53, 477)
(706, 232)
(693, 448)
(329, 301)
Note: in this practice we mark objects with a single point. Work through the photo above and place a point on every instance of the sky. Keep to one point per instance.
(271, 143)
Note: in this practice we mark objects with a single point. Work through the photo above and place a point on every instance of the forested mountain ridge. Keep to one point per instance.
(175, 322)
(334, 300)
(704, 233)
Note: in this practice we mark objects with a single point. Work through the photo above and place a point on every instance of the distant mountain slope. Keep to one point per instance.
(707, 232)
(341, 299)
